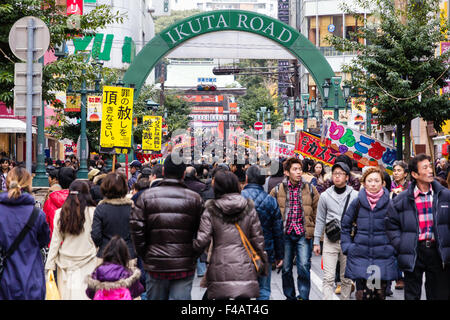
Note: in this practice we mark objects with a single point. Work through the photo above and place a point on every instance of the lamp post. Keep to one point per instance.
(83, 171)
(305, 98)
(336, 81)
(346, 94)
(368, 117)
(326, 91)
(313, 108)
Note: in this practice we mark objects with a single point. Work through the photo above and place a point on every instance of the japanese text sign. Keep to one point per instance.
(366, 150)
(310, 146)
(280, 149)
(74, 7)
(152, 133)
(94, 108)
(117, 115)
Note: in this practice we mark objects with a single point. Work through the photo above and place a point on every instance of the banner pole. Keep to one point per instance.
(114, 163)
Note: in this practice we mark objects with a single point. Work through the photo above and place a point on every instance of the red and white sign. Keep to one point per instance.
(74, 7)
(258, 125)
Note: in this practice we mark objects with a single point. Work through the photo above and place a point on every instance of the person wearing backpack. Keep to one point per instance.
(370, 256)
(113, 280)
(332, 205)
(297, 200)
(22, 277)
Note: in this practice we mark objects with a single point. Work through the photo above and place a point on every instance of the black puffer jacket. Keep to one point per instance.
(163, 223)
(402, 225)
(112, 217)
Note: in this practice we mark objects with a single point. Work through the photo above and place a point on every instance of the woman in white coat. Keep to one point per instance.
(72, 252)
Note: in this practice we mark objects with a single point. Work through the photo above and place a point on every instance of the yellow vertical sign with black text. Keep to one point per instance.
(152, 133)
(117, 115)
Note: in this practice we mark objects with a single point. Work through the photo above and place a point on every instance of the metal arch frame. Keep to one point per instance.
(175, 35)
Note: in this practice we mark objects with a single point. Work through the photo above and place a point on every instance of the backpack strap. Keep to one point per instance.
(22, 234)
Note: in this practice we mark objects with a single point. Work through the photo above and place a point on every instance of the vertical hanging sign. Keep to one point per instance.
(152, 134)
(117, 114)
(74, 7)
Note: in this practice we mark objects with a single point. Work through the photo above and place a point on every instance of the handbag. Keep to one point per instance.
(52, 292)
(256, 259)
(333, 228)
(28, 226)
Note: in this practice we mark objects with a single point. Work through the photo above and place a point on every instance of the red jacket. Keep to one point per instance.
(55, 201)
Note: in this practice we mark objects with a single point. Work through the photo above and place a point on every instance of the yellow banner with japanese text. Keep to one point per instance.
(152, 133)
(117, 115)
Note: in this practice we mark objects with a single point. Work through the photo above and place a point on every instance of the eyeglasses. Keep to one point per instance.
(337, 174)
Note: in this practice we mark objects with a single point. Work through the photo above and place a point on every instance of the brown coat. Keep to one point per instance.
(309, 204)
(163, 223)
(231, 272)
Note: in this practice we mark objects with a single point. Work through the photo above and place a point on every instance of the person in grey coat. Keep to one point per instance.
(332, 205)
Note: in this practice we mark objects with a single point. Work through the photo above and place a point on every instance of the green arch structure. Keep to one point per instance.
(225, 20)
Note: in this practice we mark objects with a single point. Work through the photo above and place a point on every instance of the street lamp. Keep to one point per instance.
(285, 110)
(346, 94)
(336, 81)
(298, 104)
(326, 91)
(151, 105)
(305, 98)
(313, 107)
(83, 170)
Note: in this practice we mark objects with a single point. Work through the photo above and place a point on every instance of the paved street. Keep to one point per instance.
(316, 285)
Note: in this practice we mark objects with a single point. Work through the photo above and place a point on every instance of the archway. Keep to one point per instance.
(224, 20)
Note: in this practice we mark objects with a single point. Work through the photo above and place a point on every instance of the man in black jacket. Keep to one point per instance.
(418, 226)
(163, 223)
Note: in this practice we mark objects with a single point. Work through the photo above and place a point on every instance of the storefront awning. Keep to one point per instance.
(14, 126)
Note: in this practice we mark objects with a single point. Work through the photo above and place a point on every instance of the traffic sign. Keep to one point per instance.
(20, 89)
(258, 125)
(18, 41)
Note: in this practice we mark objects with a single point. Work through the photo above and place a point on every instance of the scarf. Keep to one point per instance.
(374, 197)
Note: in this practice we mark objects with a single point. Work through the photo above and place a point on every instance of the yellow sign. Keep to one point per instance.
(117, 115)
(152, 134)
(73, 104)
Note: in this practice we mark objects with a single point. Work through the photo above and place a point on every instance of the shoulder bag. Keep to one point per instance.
(256, 259)
(333, 228)
(4, 255)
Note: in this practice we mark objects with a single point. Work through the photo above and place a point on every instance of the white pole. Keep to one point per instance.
(29, 113)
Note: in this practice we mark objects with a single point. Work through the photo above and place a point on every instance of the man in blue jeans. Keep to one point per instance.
(271, 223)
(297, 200)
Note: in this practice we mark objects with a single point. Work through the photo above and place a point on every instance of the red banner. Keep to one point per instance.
(310, 147)
(74, 7)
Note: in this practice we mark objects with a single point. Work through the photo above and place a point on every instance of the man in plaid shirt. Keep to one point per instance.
(418, 226)
(297, 200)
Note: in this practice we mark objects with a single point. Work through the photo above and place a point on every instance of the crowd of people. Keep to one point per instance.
(146, 236)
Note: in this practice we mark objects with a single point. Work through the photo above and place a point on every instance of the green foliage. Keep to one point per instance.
(258, 92)
(178, 111)
(163, 22)
(398, 69)
(255, 98)
(55, 18)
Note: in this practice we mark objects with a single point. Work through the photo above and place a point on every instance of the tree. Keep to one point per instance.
(255, 98)
(258, 92)
(60, 30)
(397, 70)
(163, 22)
(178, 111)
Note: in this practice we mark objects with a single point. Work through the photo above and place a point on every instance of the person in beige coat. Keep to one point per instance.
(72, 252)
(231, 273)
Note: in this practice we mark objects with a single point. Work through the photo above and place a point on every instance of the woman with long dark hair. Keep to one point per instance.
(231, 273)
(72, 252)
